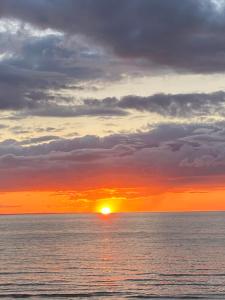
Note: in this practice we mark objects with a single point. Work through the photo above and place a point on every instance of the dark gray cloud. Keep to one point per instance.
(35, 70)
(167, 105)
(22, 88)
(3, 126)
(169, 155)
(57, 55)
(72, 110)
(39, 140)
(183, 35)
(178, 105)
(19, 129)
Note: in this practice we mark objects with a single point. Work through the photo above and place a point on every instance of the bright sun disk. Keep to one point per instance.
(105, 210)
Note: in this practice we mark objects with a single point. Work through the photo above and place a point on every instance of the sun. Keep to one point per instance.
(105, 210)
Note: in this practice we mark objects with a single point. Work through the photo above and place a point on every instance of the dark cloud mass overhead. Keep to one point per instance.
(182, 35)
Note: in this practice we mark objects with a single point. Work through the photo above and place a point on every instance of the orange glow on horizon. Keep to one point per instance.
(106, 201)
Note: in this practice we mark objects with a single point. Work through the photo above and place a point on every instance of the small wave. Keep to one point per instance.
(192, 275)
(62, 295)
(158, 282)
(25, 273)
(182, 297)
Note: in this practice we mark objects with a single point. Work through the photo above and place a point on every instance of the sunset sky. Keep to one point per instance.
(116, 103)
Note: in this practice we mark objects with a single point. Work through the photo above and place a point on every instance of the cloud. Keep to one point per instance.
(35, 70)
(168, 156)
(98, 42)
(3, 126)
(40, 74)
(178, 105)
(181, 35)
(38, 140)
(167, 105)
(71, 110)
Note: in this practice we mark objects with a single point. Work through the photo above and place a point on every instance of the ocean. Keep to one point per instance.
(121, 256)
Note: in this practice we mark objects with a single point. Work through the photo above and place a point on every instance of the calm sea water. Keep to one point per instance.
(124, 256)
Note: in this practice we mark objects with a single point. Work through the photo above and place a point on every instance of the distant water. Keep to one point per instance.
(124, 256)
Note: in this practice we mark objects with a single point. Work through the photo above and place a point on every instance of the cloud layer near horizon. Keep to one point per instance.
(168, 156)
